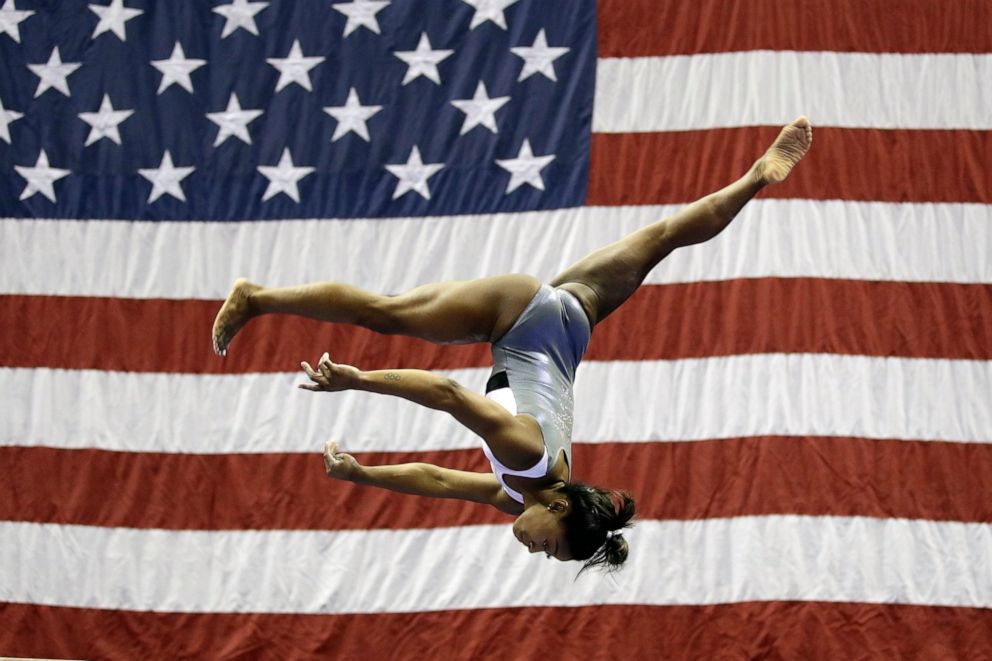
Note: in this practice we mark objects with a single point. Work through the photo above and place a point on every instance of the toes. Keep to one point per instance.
(220, 342)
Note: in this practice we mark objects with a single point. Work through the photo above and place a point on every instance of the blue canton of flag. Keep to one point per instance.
(132, 109)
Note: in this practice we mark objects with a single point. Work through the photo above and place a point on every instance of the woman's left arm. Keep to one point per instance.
(478, 413)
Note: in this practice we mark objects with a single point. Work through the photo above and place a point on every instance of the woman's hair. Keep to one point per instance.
(594, 512)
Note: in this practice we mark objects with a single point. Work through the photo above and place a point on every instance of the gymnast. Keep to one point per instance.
(538, 334)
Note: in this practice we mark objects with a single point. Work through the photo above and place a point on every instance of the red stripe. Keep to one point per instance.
(779, 630)
(638, 28)
(844, 164)
(799, 315)
(708, 479)
(920, 320)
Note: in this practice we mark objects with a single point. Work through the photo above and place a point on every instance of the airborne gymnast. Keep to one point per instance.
(538, 334)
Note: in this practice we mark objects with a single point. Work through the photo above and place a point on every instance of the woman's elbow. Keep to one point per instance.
(449, 393)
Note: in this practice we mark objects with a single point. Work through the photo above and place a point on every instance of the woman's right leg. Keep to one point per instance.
(606, 278)
(446, 313)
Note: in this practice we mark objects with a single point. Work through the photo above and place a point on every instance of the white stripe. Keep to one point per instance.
(725, 397)
(854, 240)
(671, 562)
(858, 90)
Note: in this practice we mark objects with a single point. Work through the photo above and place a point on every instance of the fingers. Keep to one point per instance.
(330, 456)
(322, 376)
(318, 380)
(324, 365)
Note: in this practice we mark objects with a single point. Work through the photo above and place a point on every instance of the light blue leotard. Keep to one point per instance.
(533, 370)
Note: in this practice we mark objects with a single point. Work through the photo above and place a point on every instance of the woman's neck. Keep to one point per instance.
(542, 495)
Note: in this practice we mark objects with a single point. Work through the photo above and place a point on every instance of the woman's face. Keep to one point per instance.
(540, 529)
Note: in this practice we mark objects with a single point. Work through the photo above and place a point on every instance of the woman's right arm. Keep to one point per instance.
(420, 479)
(513, 438)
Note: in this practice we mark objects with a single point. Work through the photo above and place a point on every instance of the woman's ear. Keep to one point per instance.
(560, 505)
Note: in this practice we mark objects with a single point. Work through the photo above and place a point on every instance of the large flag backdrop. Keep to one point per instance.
(801, 406)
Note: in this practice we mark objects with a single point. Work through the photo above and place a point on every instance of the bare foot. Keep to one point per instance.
(234, 314)
(789, 147)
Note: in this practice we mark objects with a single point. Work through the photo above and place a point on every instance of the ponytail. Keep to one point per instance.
(594, 525)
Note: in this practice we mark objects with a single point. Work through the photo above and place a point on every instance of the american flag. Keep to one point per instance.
(802, 406)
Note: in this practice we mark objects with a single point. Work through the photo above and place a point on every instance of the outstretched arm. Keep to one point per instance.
(503, 432)
(420, 479)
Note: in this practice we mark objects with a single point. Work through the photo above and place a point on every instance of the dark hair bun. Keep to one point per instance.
(615, 551)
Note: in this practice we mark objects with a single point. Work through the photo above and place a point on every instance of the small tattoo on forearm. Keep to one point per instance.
(392, 376)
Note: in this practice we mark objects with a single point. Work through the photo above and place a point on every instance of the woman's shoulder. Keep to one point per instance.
(519, 445)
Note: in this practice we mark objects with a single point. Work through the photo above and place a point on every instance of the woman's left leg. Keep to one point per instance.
(446, 312)
(603, 280)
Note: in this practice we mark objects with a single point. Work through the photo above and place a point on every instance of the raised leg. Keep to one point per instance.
(603, 280)
(446, 313)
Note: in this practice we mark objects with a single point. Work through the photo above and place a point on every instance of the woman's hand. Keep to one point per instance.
(339, 465)
(330, 377)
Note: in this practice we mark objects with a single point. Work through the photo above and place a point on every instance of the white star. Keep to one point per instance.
(53, 73)
(165, 178)
(113, 17)
(423, 61)
(525, 168)
(10, 19)
(414, 175)
(240, 14)
(105, 122)
(352, 116)
(538, 58)
(177, 69)
(294, 68)
(233, 121)
(480, 110)
(489, 10)
(361, 13)
(41, 178)
(283, 178)
(6, 117)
